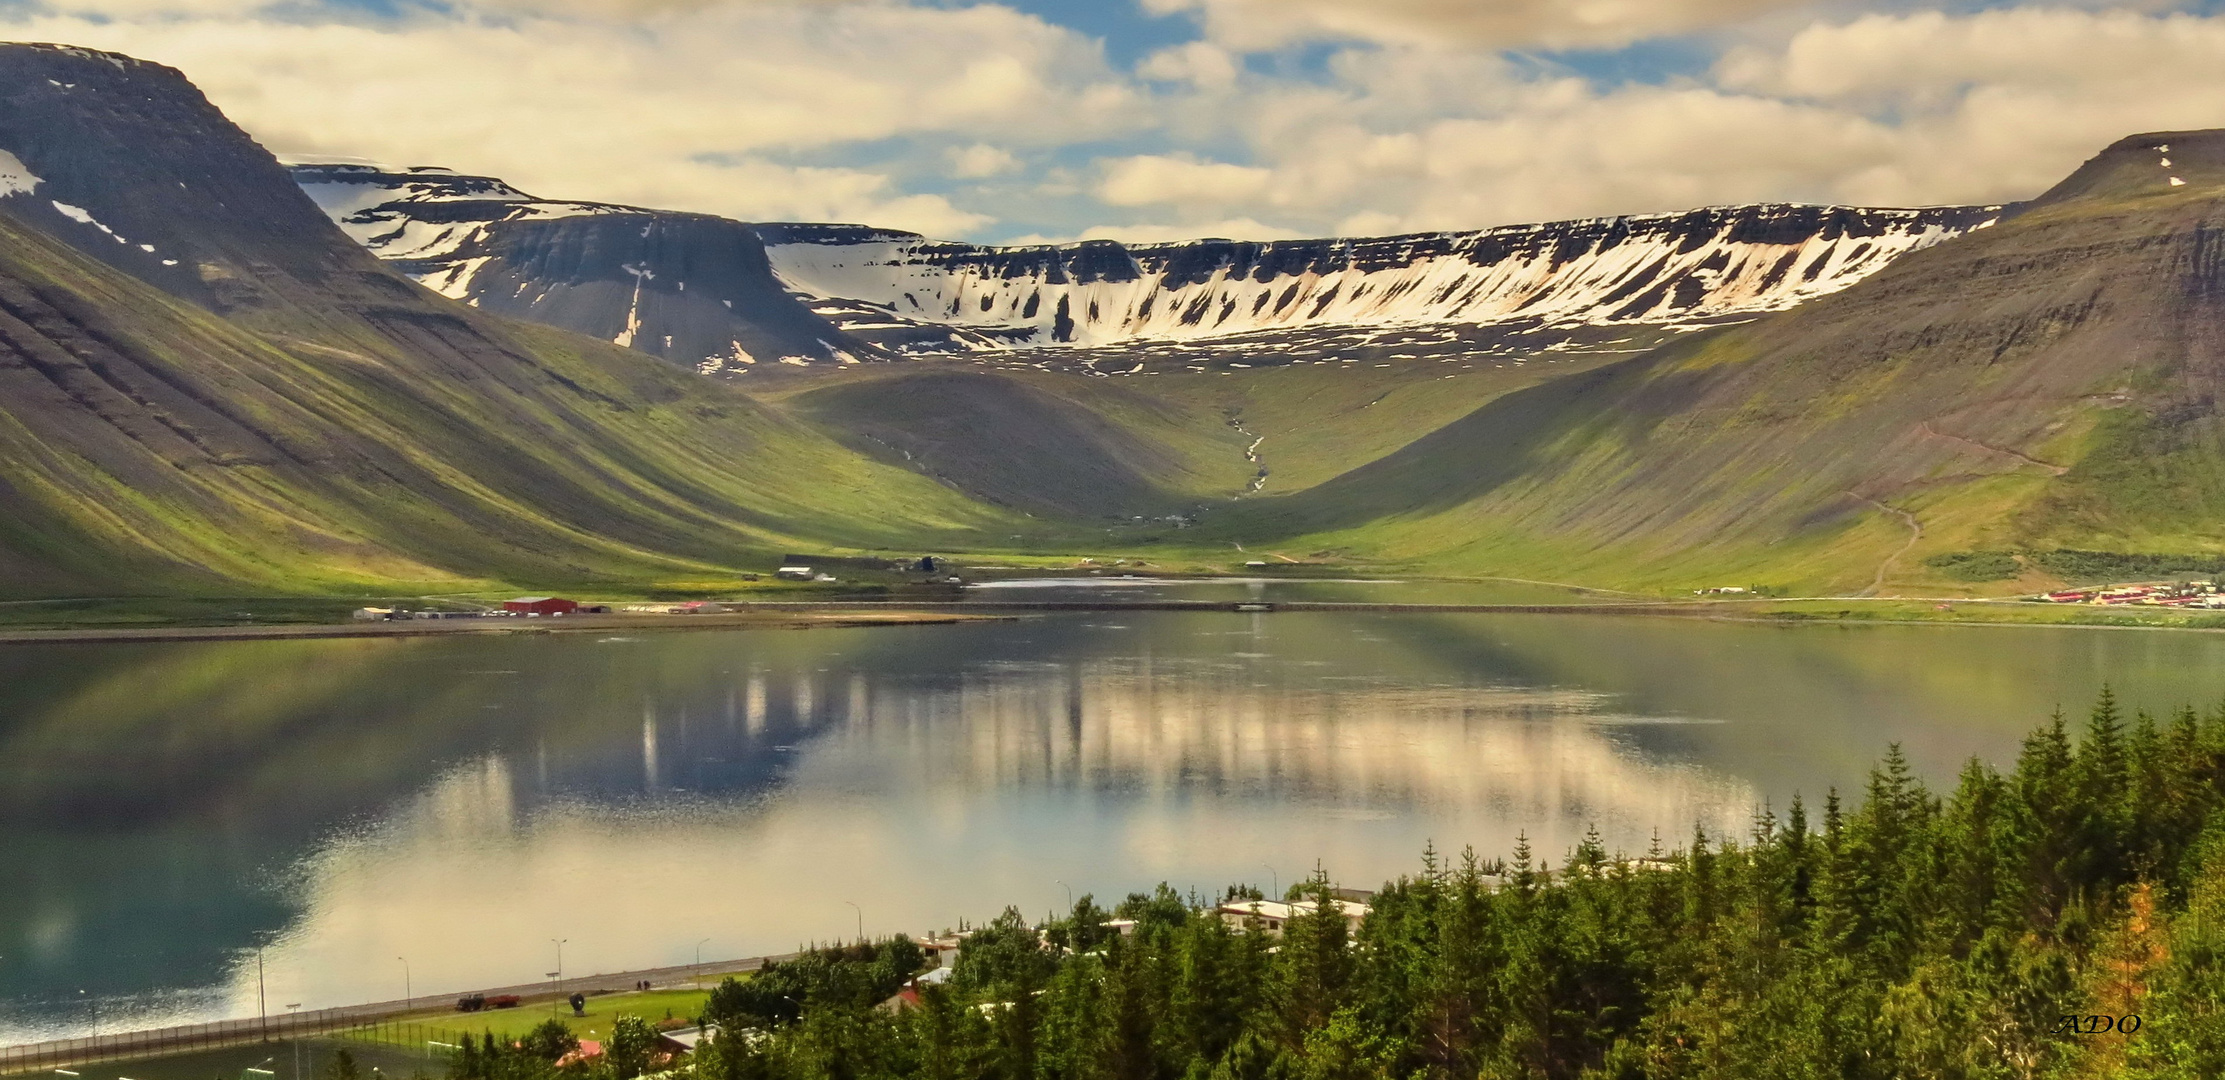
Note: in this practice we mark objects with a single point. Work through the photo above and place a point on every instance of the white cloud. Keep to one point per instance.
(1498, 24)
(688, 105)
(1198, 63)
(980, 160)
(1242, 228)
(1153, 179)
(1913, 109)
(1419, 119)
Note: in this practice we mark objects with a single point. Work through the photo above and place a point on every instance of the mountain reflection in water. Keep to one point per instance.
(462, 802)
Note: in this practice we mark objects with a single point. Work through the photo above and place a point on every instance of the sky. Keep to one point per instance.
(1056, 120)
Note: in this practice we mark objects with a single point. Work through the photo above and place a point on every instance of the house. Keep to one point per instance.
(540, 605)
(1272, 914)
(685, 1040)
(908, 996)
(943, 948)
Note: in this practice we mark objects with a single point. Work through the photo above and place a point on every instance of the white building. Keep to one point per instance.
(1272, 914)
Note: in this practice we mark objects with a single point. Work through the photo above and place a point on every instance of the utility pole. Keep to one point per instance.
(262, 1000)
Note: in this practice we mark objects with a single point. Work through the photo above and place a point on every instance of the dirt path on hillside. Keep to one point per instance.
(1915, 533)
(2027, 459)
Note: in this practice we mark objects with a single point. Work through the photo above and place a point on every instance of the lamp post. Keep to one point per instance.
(1276, 879)
(861, 918)
(262, 999)
(558, 974)
(409, 993)
(698, 972)
(1069, 893)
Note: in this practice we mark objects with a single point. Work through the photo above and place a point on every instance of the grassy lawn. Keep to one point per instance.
(1969, 611)
(602, 1010)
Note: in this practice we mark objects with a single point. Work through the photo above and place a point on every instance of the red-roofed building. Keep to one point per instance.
(540, 605)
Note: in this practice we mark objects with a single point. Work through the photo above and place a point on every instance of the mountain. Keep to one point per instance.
(2051, 382)
(1708, 264)
(205, 385)
(877, 292)
(689, 287)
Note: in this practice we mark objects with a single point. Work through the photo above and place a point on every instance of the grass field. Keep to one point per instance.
(602, 1010)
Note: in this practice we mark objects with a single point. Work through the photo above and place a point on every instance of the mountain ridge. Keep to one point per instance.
(2051, 382)
(282, 410)
(883, 292)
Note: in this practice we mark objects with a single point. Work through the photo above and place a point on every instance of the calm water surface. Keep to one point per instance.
(461, 802)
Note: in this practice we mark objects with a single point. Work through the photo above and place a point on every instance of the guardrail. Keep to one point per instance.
(365, 1022)
(347, 1023)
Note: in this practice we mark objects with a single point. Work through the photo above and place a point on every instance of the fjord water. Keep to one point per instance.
(463, 802)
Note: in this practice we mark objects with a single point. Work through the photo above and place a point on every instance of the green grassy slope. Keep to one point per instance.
(150, 444)
(1088, 448)
(2047, 382)
(1049, 448)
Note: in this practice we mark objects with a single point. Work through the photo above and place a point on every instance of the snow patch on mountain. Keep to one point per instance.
(1704, 265)
(15, 178)
(397, 219)
(479, 240)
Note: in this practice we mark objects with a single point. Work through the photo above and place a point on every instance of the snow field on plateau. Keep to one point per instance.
(1705, 264)
(910, 295)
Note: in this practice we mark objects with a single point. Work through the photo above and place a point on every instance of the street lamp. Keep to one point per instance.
(1069, 892)
(409, 993)
(292, 1010)
(1276, 879)
(698, 972)
(558, 974)
(861, 918)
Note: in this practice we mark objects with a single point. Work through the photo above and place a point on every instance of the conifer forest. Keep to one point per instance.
(2064, 918)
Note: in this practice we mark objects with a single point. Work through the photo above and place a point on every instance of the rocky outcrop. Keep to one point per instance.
(688, 287)
(126, 161)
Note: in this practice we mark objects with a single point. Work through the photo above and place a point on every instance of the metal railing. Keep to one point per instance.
(345, 1023)
(349, 1021)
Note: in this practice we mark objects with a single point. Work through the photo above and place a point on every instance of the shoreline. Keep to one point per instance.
(849, 618)
(853, 614)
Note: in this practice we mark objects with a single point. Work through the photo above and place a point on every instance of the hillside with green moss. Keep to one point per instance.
(295, 417)
(205, 386)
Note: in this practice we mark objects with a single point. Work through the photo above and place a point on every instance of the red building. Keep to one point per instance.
(540, 605)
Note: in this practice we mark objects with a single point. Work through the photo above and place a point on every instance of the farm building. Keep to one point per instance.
(540, 605)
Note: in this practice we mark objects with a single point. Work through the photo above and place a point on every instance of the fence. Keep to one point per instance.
(372, 1022)
(347, 1023)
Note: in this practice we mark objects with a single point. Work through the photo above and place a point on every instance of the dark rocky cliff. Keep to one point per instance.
(129, 163)
(692, 288)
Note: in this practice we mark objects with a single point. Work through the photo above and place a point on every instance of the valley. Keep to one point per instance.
(343, 379)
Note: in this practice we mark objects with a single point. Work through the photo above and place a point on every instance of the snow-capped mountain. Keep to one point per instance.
(689, 287)
(1652, 269)
(805, 292)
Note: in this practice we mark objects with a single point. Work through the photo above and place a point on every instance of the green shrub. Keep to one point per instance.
(1976, 565)
(2105, 566)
